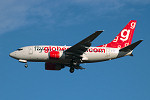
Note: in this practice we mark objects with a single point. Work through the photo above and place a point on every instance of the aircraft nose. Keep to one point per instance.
(12, 54)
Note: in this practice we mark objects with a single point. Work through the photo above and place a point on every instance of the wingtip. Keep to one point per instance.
(140, 41)
(100, 30)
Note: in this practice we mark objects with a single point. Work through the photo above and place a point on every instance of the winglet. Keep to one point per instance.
(131, 47)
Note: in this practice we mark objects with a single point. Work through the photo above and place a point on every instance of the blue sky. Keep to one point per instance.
(65, 22)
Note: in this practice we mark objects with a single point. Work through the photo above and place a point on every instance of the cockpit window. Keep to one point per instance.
(19, 49)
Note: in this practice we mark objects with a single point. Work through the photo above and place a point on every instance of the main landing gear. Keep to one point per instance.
(74, 64)
(71, 69)
(26, 65)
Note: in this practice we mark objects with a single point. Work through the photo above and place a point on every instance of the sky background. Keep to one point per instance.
(65, 22)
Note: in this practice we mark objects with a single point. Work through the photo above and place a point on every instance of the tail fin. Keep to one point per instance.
(124, 38)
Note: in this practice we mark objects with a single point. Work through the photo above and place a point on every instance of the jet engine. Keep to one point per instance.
(56, 55)
(52, 66)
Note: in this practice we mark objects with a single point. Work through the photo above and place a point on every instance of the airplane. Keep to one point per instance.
(59, 57)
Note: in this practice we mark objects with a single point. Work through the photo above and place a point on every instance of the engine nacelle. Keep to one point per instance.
(51, 66)
(56, 55)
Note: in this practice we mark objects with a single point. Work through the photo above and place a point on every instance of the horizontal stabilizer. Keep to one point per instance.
(131, 47)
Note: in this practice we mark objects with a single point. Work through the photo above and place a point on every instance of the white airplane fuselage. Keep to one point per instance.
(40, 54)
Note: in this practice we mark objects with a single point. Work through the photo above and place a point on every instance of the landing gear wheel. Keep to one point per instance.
(25, 65)
(71, 70)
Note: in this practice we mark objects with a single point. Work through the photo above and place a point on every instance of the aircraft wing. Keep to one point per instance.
(78, 49)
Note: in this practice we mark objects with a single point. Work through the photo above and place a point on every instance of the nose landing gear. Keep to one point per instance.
(26, 65)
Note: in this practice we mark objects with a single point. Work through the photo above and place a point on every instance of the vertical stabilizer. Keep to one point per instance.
(124, 38)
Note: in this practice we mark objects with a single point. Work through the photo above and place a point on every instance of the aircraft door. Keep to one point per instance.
(108, 52)
(30, 50)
